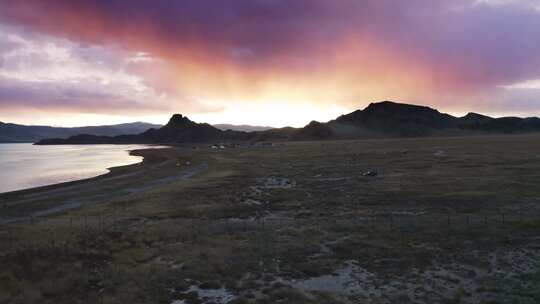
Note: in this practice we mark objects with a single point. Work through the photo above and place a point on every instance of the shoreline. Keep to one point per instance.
(110, 171)
(24, 204)
(149, 158)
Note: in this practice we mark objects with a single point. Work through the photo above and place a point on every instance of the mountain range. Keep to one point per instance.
(15, 133)
(378, 120)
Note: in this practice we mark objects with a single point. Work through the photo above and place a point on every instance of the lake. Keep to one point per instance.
(26, 166)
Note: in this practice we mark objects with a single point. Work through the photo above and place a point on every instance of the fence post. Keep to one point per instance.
(10, 238)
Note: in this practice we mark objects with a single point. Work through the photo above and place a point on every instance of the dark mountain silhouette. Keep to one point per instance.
(390, 119)
(314, 131)
(179, 129)
(14, 133)
(245, 128)
(395, 119)
(378, 120)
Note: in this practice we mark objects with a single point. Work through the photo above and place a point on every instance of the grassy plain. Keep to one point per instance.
(443, 220)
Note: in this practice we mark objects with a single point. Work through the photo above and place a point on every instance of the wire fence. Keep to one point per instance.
(389, 221)
(90, 237)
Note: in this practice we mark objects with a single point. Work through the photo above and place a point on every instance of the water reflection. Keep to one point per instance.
(25, 165)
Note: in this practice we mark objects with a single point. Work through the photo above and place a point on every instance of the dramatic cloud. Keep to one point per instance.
(39, 72)
(201, 56)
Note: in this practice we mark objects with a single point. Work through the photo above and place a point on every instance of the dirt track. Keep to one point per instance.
(119, 182)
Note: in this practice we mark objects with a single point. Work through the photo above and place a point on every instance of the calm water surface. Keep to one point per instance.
(25, 165)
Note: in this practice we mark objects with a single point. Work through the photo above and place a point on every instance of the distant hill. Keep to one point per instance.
(245, 128)
(14, 133)
(378, 120)
(391, 119)
(179, 129)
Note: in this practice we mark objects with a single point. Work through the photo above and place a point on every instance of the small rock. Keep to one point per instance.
(370, 173)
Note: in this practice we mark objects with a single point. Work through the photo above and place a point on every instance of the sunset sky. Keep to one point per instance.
(263, 62)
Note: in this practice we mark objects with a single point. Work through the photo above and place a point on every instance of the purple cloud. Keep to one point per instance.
(457, 46)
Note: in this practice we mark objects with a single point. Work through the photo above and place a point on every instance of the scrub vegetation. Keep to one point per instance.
(434, 220)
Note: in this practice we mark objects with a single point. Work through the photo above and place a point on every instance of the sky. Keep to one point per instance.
(263, 62)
